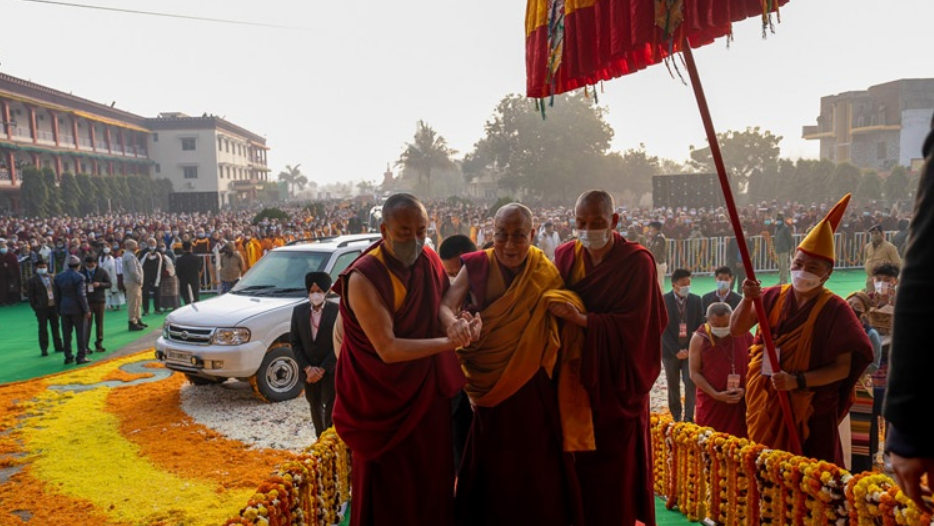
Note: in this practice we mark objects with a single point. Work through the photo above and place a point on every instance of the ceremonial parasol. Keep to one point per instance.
(572, 44)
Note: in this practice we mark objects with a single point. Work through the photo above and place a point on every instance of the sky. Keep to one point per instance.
(340, 90)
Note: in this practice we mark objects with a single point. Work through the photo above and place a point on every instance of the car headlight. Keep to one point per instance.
(165, 330)
(235, 336)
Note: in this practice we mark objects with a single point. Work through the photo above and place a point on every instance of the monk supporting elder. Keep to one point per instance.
(514, 470)
(396, 375)
(822, 348)
(620, 360)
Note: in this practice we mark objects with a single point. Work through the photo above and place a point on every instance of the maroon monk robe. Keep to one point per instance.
(621, 361)
(837, 330)
(396, 418)
(730, 354)
(514, 470)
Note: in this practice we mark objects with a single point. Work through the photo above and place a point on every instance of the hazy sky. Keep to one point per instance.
(342, 95)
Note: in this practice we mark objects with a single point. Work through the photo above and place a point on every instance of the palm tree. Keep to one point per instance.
(292, 175)
(428, 151)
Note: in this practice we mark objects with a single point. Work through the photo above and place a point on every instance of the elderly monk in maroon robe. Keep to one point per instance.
(822, 350)
(396, 375)
(620, 362)
(718, 363)
(514, 470)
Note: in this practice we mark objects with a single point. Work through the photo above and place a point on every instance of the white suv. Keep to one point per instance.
(245, 333)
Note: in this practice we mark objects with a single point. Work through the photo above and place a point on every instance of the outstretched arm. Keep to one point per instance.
(377, 323)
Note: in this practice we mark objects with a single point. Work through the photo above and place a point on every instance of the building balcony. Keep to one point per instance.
(21, 132)
(875, 128)
(45, 136)
(814, 132)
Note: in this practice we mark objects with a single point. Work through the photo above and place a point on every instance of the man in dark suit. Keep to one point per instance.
(188, 269)
(908, 399)
(313, 345)
(724, 291)
(42, 300)
(70, 291)
(685, 315)
(97, 281)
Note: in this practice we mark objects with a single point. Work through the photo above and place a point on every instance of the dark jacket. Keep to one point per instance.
(320, 351)
(36, 293)
(188, 268)
(784, 241)
(693, 316)
(732, 299)
(99, 275)
(908, 398)
(71, 293)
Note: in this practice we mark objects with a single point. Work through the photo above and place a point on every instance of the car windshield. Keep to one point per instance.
(281, 273)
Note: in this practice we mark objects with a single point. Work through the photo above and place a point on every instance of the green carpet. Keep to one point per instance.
(842, 282)
(19, 346)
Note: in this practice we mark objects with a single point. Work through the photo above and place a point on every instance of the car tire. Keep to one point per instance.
(200, 380)
(279, 377)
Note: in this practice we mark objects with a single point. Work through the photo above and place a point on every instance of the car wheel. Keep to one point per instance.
(200, 380)
(279, 376)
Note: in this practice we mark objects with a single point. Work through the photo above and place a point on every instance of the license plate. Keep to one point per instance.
(178, 356)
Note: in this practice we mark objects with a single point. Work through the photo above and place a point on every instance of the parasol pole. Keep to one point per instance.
(738, 231)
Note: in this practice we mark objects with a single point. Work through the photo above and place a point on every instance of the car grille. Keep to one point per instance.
(190, 335)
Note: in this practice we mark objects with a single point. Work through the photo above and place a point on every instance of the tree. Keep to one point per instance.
(630, 171)
(812, 180)
(366, 187)
(102, 193)
(88, 203)
(54, 204)
(292, 176)
(34, 193)
(896, 185)
(845, 179)
(428, 151)
(161, 189)
(554, 158)
(71, 195)
(119, 192)
(870, 186)
(744, 153)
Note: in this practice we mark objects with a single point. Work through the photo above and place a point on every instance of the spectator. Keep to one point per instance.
(900, 237)
(188, 268)
(41, 296)
(153, 263)
(718, 363)
(884, 283)
(112, 264)
(133, 283)
(167, 283)
(231, 267)
(548, 240)
(70, 291)
(658, 246)
(451, 251)
(783, 244)
(734, 259)
(97, 282)
(685, 315)
(864, 430)
(723, 292)
(9, 275)
(876, 252)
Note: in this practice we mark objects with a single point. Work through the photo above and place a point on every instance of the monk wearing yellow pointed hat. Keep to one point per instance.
(822, 350)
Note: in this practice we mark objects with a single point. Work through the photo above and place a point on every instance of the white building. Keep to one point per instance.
(210, 161)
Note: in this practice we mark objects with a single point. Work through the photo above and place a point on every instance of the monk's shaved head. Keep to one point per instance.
(597, 198)
(399, 202)
(512, 212)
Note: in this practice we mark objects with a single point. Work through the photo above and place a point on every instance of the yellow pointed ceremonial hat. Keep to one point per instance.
(819, 241)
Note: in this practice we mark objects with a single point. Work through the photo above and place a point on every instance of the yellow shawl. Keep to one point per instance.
(519, 336)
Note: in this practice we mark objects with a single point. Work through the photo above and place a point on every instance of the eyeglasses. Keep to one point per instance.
(518, 239)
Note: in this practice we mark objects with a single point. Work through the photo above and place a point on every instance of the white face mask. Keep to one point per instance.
(803, 281)
(42, 271)
(316, 298)
(723, 286)
(720, 332)
(683, 291)
(106, 250)
(882, 287)
(594, 239)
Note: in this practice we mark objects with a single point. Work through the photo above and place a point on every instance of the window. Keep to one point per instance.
(880, 150)
(220, 171)
(227, 146)
(191, 172)
(155, 136)
(188, 144)
(341, 263)
(158, 168)
(220, 144)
